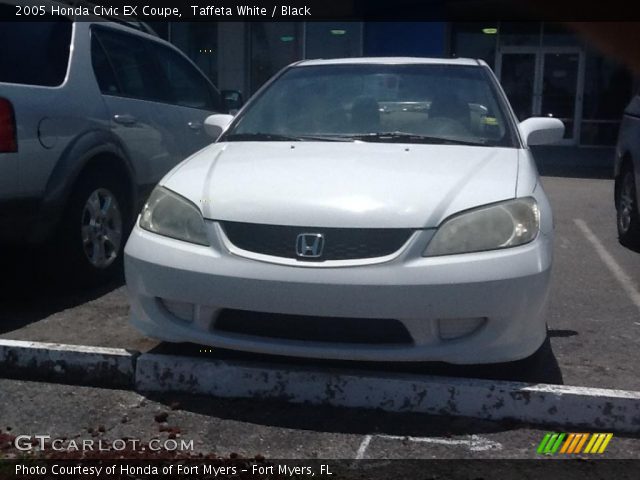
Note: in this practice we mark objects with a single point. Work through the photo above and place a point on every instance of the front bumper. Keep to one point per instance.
(508, 288)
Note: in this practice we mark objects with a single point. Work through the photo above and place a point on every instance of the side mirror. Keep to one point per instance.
(541, 130)
(214, 125)
(232, 100)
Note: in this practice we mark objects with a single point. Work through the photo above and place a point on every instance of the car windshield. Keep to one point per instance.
(420, 103)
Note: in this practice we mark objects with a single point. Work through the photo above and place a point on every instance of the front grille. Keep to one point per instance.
(313, 329)
(339, 243)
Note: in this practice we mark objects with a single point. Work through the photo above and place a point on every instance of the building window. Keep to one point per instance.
(272, 46)
(556, 35)
(474, 40)
(199, 41)
(333, 39)
(607, 89)
(520, 34)
(546, 69)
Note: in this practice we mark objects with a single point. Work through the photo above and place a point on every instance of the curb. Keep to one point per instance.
(75, 364)
(580, 407)
(591, 408)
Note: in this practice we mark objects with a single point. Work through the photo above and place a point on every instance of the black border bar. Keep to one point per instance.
(335, 10)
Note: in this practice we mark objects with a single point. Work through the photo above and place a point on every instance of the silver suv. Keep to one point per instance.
(92, 115)
(627, 175)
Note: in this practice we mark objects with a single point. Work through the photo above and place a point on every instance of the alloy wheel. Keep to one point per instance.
(101, 228)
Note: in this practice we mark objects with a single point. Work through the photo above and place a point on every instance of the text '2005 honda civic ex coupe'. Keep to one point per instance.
(364, 209)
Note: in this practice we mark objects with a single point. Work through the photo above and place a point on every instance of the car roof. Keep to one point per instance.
(390, 61)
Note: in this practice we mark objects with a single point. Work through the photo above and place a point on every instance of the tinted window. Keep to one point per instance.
(134, 68)
(188, 87)
(35, 53)
(102, 68)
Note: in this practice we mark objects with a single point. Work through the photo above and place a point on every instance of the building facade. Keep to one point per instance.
(545, 69)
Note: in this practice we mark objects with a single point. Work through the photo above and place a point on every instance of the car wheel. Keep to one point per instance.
(95, 227)
(628, 219)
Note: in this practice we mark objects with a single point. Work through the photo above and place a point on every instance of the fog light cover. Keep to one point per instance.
(181, 310)
(453, 328)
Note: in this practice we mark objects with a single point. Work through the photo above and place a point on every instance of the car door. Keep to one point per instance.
(139, 102)
(193, 94)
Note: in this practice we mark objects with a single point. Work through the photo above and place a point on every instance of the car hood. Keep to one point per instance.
(343, 184)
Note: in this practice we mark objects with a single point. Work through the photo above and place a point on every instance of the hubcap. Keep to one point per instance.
(101, 228)
(626, 202)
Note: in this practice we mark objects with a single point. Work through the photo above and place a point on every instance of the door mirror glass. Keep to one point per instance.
(232, 101)
(214, 125)
(541, 130)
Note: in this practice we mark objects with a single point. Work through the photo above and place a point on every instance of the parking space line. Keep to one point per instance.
(626, 282)
(474, 442)
(363, 447)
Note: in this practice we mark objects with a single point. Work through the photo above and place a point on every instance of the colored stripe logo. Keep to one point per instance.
(574, 443)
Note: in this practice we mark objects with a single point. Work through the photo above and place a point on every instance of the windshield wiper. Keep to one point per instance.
(261, 137)
(276, 137)
(402, 137)
(327, 138)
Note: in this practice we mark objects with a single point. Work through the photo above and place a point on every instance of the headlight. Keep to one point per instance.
(500, 225)
(167, 213)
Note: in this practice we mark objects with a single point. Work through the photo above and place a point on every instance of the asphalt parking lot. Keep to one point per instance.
(594, 331)
(593, 315)
(271, 429)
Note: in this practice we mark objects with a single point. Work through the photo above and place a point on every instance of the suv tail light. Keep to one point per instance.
(8, 140)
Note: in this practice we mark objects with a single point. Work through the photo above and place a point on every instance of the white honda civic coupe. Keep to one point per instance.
(382, 209)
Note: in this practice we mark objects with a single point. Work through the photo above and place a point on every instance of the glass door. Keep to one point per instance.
(517, 72)
(544, 82)
(559, 90)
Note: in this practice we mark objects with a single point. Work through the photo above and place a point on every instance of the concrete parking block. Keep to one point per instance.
(553, 405)
(541, 404)
(77, 364)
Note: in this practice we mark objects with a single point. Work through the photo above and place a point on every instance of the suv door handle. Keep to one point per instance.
(124, 119)
(195, 125)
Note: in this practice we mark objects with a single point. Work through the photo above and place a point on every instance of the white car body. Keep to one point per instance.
(480, 307)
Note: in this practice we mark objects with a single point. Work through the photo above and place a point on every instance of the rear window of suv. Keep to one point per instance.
(35, 53)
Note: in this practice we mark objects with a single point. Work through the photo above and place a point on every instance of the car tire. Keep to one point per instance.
(627, 216)
(95, 228)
